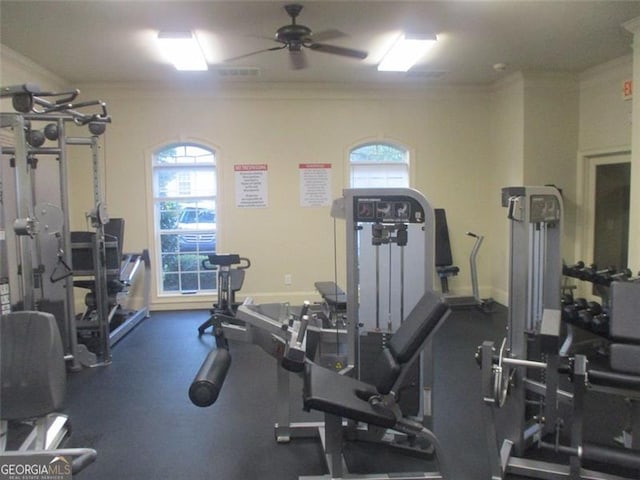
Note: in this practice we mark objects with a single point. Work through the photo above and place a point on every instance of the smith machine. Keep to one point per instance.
(41, 275)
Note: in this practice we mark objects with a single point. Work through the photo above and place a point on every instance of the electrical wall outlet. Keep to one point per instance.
(288, 280)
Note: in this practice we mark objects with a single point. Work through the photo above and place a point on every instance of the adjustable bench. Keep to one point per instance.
(340, 396)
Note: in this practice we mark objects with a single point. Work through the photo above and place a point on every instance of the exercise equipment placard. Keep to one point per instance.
(315, 184)
(251, 185)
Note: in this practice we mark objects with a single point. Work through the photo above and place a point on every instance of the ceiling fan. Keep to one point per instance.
(295, 37)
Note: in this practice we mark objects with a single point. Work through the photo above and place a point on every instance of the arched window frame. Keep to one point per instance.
(395, 172)
(181, 209)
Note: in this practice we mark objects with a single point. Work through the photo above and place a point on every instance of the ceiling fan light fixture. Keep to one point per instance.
(406, 51)
(183, 50)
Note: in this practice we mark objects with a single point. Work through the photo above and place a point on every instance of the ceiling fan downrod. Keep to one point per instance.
(293, 9)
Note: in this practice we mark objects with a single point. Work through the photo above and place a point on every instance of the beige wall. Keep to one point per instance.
(534, 139)
(283, 126)
(505, 169)
(551, 140)
(16, 69)
(605, 128)
(466, 144)
(605, 117)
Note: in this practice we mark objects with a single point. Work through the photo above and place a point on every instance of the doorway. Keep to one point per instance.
(608, 183)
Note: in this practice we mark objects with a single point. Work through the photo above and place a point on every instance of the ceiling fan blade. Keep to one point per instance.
(325, 35)
(335, 50)
(232, 59)
(298, 59)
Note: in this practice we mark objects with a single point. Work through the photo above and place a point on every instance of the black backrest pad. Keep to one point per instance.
(386, 371)
(443, 245)
(413, 332)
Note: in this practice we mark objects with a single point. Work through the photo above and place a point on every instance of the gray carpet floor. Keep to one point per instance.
(136, 412)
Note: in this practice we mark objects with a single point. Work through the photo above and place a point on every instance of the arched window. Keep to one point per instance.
(378, 165)
(184, 196)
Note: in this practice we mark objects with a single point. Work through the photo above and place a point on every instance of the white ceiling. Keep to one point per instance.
(103, 41)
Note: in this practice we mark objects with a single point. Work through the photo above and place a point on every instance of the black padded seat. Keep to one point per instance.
(328, 391)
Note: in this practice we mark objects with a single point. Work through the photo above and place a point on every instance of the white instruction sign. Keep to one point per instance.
(251, 185)
(315, 184)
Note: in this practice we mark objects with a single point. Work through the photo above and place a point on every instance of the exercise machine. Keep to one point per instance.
(540, 372)
(513, 426)
(390, 238)
(106, 319)
(290, 338)
(393, 216)
(375, 406)
(229, 281)
(33, 390)
(39, 274)
(289, 335)
(390, 235)
(446, 268)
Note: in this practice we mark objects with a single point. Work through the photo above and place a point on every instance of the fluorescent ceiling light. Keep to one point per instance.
(183, 50)
(405, 52)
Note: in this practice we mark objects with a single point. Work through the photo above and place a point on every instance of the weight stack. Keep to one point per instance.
(5, 298)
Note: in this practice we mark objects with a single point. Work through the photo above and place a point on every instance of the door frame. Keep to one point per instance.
(585, 219)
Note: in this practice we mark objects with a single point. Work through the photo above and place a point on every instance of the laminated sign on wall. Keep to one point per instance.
(315, 184)
(251, 185)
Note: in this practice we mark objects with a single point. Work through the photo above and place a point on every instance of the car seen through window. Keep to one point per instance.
(199, 227)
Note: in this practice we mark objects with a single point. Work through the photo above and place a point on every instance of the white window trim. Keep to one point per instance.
(380, 140)
(170, 301)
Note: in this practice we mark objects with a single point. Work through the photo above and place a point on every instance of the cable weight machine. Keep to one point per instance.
(390, 237)
(523, 370)
(35, 222)
(523, 380)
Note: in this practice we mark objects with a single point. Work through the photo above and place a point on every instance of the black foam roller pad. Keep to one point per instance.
(207, 384)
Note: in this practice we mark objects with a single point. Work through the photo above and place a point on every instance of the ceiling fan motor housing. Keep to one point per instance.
(294, 37)
(293, 34)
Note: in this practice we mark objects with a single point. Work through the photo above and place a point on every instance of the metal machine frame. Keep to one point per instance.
(535, 215)
(290, 336)
(396, 216)
(32, 222)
